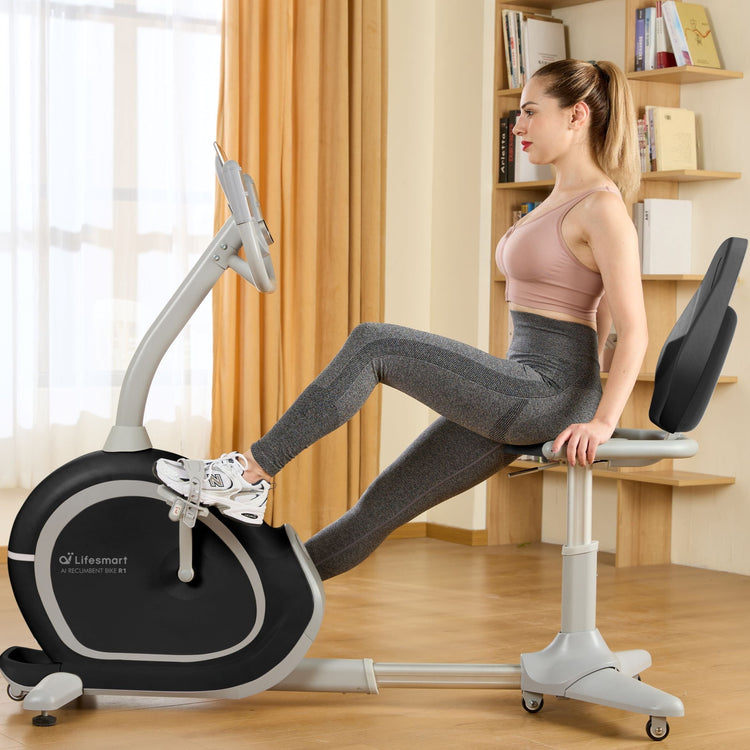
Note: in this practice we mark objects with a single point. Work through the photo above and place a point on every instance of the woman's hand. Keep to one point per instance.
(583, 440)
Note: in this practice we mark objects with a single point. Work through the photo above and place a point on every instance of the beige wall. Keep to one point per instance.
(440, 112)
(438, 190)
(710, 527)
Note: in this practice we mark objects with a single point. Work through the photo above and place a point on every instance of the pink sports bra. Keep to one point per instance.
(540, 270)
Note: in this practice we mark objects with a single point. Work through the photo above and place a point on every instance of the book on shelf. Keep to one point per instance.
(645, 46)
(640, 39)
(507, 148)
(638, 221)
(676, 35)
(673, 34)
(664, 54)
(664, 227)
(514, 164)
(531, 40)
(667, 139)
(697, 35)
(503, 150)
(524, 209)
(645, 142)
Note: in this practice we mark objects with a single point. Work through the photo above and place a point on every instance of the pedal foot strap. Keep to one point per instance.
(186, 509)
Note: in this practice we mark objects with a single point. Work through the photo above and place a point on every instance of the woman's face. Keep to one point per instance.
(544, 127)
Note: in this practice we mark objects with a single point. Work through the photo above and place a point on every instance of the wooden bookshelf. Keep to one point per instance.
(644, 496)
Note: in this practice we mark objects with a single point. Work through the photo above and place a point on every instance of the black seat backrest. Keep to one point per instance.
(692, 357)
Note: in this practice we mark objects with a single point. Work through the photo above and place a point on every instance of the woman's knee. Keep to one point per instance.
(365, 333)
(369, 340)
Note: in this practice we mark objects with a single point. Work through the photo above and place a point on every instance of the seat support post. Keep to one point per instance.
(578, 663)
(579, 555)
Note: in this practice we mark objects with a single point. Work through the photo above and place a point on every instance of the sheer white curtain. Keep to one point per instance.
(107, 117)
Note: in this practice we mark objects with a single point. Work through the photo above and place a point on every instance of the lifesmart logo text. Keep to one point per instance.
(73, 559)
(74, 563)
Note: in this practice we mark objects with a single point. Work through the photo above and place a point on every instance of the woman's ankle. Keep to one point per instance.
(254, 472)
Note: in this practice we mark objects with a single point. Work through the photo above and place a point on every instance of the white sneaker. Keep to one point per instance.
(222, 485)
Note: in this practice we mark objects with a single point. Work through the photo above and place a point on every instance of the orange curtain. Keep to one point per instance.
(303, 109)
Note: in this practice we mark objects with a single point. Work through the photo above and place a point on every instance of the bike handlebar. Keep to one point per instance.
(242, 197)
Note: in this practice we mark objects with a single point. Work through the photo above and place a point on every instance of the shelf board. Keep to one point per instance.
(525, 185)
(668, 477)
(684, 74)
(689, 175)
(688, 277)
(550, 4)
(648, 377)
(674, 175)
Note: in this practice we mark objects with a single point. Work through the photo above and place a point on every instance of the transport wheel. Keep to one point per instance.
(16, 694)
(532, 703)
(657, 728)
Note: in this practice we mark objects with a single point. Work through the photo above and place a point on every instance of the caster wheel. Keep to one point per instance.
(16, 694)
(532, 703)
(657, 729)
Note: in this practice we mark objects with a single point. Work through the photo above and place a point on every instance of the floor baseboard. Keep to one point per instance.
(469, 537)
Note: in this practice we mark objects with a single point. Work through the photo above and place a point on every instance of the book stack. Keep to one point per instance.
(667, 139)
(664, 228)
(674, 33)
(531, 41)
(514, 162)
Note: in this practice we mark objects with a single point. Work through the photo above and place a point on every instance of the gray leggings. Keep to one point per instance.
(549, 380)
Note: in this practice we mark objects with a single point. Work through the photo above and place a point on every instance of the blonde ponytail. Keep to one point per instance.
(613, 131)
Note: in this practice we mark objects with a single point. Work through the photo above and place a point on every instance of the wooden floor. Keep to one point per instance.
(426, 600)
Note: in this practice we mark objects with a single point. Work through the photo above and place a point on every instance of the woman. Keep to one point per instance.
(558, 261)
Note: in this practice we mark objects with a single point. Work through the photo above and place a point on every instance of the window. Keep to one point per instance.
(107, 118)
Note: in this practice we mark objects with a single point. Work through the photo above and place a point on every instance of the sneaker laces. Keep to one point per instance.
(228, 460)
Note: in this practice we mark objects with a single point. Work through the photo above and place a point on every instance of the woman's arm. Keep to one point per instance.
(611, 235)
